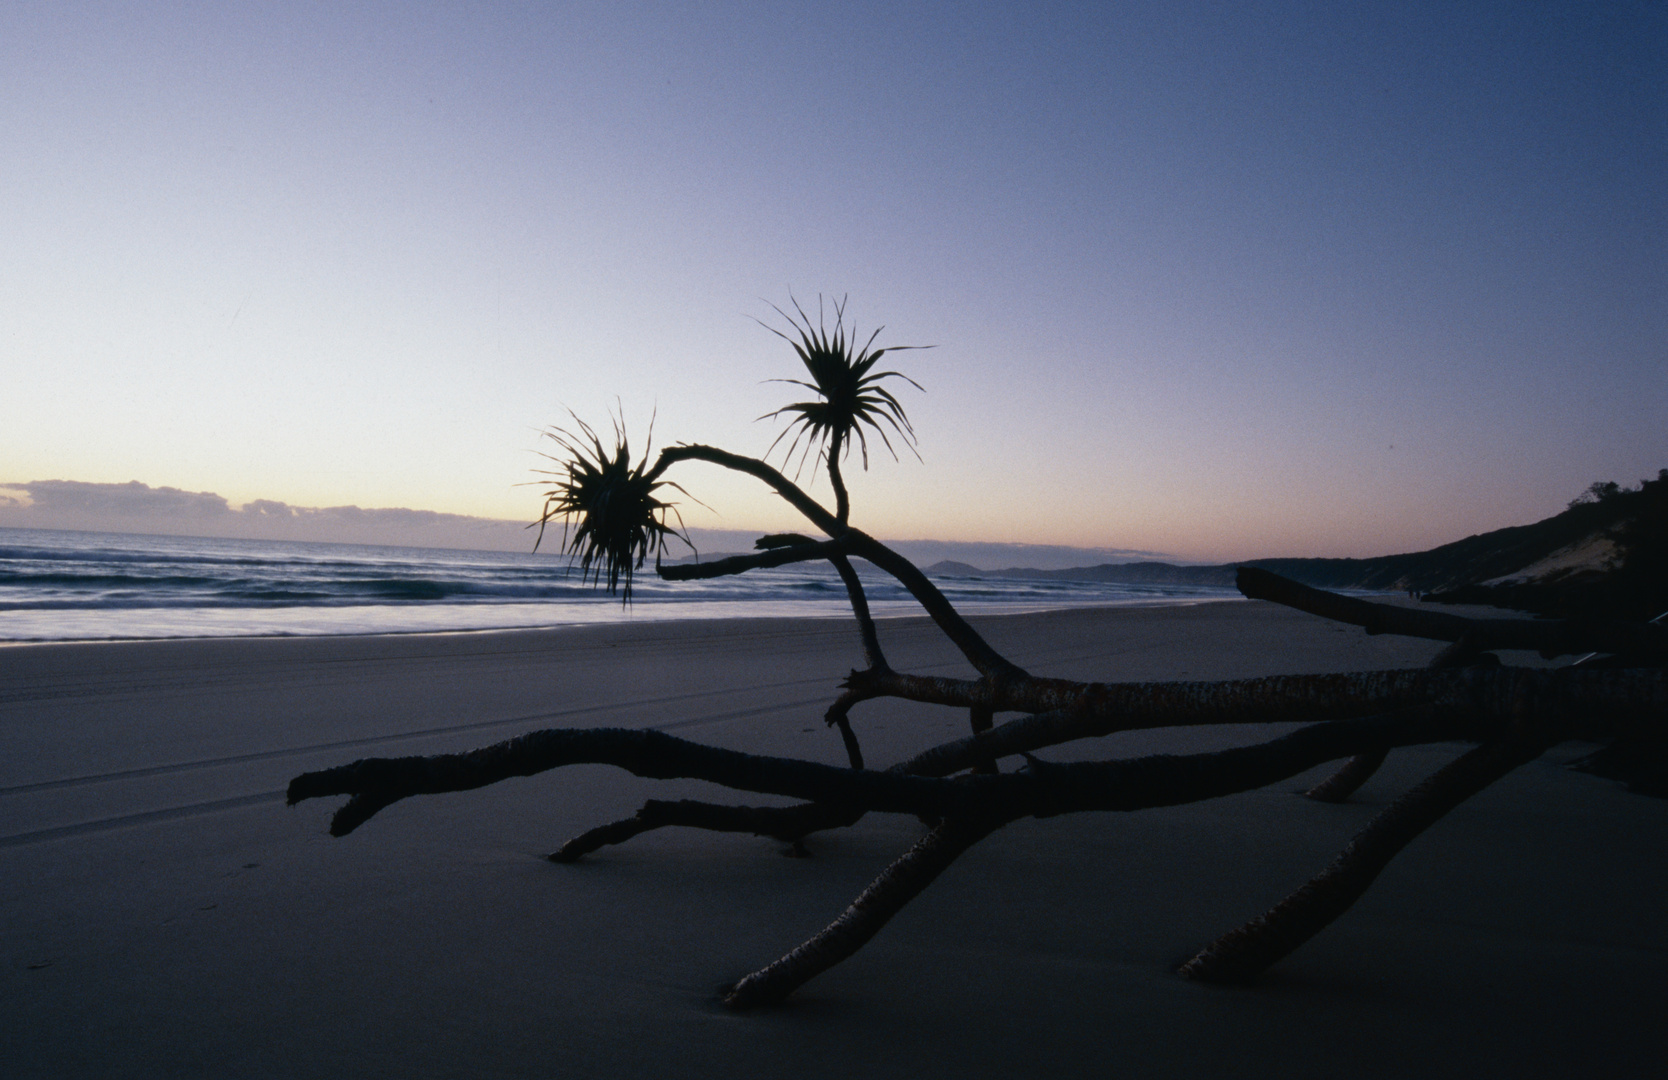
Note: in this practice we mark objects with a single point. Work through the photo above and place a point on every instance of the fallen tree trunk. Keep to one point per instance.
(1513, 712)
(1574, 703)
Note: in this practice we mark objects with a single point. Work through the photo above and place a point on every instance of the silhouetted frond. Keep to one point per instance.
(849, 395)
(611, 519)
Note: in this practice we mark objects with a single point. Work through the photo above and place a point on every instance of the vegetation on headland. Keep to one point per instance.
(1616, 537)
(1630, 583)
(959, 789)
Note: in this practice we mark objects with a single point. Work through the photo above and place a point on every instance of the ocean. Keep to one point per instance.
(83, 586)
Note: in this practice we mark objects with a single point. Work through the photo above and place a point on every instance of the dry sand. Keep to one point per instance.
(164, 914)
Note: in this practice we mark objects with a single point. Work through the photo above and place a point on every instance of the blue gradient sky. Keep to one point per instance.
(1219, 280)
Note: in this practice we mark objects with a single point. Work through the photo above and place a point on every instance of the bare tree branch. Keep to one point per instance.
(1063, 711)
(896, 886)
(1550, 637)
(740, 564)
(1347, 781)
(1360, 768)
(972, 645)
(1041, 790)
(1244, 953)
(786, 823)
(872, 654)
(969, 641)
(784, 487)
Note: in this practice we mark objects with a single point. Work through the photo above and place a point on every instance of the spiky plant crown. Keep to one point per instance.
(850, 396)
(612, 520)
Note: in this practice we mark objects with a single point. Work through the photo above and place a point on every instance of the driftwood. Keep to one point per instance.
(1512, 713)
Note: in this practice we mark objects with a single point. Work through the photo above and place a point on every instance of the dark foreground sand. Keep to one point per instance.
(163, 913)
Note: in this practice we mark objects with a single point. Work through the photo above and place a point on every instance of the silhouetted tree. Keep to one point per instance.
(1598, 491)
(617, 520)
(1642, 547)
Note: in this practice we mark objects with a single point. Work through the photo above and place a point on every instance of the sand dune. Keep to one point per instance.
(164, 914)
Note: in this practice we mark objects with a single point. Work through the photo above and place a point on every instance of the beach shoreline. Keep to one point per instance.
(165, 914)
(608, 614)
(111, 587)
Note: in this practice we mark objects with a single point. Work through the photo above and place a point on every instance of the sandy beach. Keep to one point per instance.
(164, 914)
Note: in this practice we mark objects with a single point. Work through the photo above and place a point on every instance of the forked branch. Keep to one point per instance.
(972, 645)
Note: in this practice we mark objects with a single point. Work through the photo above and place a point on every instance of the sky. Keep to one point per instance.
(1210, 280)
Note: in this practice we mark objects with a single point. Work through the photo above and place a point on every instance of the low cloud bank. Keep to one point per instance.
(139, 508)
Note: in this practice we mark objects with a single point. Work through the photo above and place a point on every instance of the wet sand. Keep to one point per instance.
(164, 914)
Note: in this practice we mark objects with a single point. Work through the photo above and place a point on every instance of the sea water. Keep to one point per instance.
(84, 586)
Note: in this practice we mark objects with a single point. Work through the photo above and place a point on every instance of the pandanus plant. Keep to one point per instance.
(612, 520)
(849, 393)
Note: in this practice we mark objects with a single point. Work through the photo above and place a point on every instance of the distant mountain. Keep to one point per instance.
(1138, 573)
(1606, 554)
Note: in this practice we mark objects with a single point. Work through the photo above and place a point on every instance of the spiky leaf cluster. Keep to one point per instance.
(612, 520)
(850, 396)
